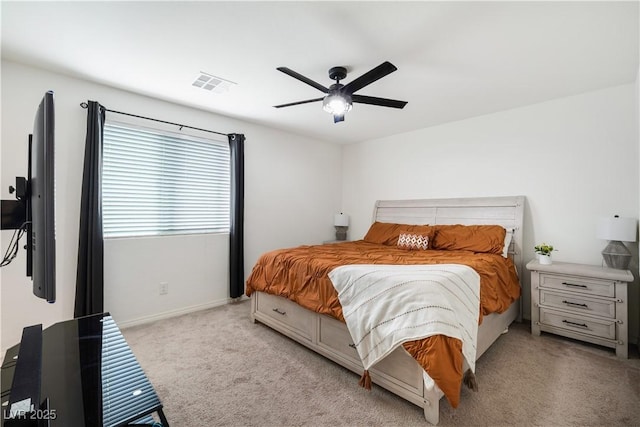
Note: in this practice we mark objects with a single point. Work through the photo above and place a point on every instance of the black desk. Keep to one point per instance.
(90, 376)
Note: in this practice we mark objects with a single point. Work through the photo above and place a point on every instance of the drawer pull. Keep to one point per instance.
(352, 345)
(575, 286)
(575, 304)
(279, 312)
(579, 325)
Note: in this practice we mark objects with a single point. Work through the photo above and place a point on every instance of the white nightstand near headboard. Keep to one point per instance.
(505, 211)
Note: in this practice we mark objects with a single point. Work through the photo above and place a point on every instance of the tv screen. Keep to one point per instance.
(41, 238)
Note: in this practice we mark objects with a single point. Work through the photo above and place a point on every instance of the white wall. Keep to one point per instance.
(292, 190)
(575, 159)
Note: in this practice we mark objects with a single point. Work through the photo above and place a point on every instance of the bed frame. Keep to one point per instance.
(399, 372)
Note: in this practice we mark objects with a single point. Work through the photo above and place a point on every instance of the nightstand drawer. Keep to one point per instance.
(578, 303)
(602, 328)
(605, 288)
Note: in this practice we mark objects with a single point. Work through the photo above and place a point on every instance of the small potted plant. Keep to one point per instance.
(544, 253)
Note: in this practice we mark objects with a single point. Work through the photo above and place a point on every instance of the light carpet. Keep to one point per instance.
(216, 368)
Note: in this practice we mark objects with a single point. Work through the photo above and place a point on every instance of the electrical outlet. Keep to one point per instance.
(164, 288)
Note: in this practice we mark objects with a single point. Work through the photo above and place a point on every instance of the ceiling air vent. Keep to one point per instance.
(212, 83)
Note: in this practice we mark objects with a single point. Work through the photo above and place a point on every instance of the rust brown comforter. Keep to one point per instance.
(300, 274)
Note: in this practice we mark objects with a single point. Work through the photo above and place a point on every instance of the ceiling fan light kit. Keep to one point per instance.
(336, 103)
(339, 98)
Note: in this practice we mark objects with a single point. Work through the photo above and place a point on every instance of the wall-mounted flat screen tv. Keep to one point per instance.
(33, 211)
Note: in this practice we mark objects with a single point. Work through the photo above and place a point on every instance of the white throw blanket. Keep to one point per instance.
(387, 305)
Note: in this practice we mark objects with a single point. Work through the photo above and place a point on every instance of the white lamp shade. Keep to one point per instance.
(617, 228)
(341, 220)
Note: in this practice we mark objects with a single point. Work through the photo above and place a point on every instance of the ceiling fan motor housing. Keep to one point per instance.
(335, 88)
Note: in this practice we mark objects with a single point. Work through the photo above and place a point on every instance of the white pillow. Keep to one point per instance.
(507, 242)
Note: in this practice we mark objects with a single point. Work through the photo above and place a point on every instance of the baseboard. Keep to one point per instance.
(178, 312)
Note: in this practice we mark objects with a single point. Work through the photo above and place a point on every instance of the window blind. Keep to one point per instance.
(157, 183)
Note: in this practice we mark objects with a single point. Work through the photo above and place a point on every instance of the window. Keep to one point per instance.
(157, 183)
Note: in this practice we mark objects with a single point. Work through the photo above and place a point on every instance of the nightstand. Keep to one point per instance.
(584, 302)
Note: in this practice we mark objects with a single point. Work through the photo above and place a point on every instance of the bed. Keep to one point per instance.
(291, 292)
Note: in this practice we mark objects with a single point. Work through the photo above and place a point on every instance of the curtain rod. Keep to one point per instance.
(85, 106)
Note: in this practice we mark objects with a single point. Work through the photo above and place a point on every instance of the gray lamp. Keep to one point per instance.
(341, 222)
(617, 230)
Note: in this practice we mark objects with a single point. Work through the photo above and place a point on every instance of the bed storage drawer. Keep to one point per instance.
(399, 367)
(285, 312)
(334, 335)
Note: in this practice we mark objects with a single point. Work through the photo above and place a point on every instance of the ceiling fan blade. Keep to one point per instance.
(303, 79)
(369, 77)
(383, 102)
(298, 103)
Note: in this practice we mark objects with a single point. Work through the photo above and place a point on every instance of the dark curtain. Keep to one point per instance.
(90, 272)
(236, 233)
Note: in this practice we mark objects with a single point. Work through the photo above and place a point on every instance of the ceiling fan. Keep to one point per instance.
(339, 98)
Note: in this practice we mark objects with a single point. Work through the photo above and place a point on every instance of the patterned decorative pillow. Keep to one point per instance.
(413, 241)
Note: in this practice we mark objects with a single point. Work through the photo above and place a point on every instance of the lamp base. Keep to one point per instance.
(341, 232)
(616, 255)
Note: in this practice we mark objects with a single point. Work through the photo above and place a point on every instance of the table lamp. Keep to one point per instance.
(341, 222)
(617, 230)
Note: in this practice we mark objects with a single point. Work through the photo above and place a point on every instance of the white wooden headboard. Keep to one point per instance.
(504, 211)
